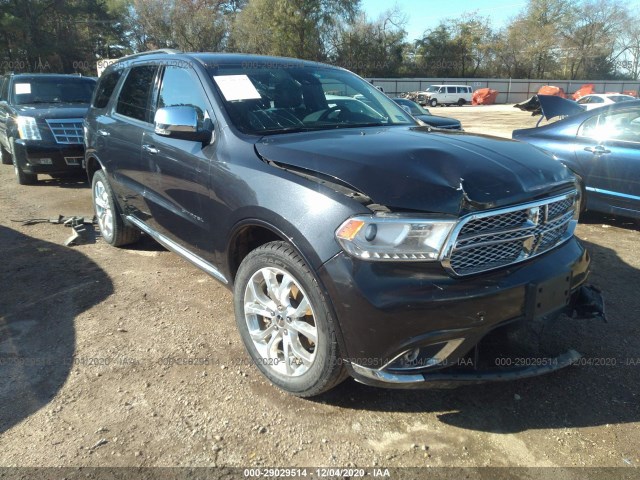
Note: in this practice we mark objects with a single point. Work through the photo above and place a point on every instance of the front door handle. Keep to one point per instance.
(103, 133)
(597, 150)
(150, 149)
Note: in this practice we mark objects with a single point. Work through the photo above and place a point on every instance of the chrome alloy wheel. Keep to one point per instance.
(281, 322)
(103, 209)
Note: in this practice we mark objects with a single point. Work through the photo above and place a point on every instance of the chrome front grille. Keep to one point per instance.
(66, 131)
(489, 240)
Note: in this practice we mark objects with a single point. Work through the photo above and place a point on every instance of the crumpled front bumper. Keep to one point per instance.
(47, 157)
(587, 303)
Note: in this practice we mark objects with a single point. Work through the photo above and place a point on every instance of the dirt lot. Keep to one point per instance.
(91, 338)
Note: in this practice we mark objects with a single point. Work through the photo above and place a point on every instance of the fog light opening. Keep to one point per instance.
(411, 356)
(418, 358)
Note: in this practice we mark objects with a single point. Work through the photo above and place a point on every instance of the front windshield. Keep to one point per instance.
(30, 90)
(433, 89)
(301, 97)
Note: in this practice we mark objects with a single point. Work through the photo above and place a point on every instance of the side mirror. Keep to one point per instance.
(180, 122)
(406, 108)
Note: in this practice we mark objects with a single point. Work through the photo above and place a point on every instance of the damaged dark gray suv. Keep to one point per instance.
(356, 242)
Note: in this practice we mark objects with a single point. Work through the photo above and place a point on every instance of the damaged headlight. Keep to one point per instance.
(28, 128)
(392, 237)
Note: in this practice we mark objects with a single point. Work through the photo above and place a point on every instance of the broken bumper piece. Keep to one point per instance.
(587, 303)
(452, 378)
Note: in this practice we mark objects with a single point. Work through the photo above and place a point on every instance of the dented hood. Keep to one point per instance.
(408, 168)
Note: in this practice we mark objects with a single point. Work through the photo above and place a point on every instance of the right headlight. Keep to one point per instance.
(394, 237)
(28, 128)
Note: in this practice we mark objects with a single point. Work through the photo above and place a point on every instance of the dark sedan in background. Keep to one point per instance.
(425, 115)
(602, 147)
(41, 123)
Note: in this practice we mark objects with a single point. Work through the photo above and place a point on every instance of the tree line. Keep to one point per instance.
(560, 39)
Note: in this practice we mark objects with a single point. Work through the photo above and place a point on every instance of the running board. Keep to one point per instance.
(183, 252)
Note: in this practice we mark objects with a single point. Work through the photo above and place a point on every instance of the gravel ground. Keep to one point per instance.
(130, 357)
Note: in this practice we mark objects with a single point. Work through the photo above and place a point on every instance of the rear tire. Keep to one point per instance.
(461, 102)
(113, 229)
(285, 322)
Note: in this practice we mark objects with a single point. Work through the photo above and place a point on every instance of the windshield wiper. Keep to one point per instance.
(362, 125)
(40, 101)
(287, 130)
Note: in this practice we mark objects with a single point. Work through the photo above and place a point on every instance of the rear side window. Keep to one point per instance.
(134, 99)
(4, 88)
(105, 88)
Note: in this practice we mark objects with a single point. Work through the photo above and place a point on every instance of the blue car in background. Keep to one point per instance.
(602, 146)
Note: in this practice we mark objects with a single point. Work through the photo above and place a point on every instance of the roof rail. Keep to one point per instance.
(151, 52)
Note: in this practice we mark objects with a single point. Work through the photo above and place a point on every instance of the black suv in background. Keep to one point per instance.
(356, 241)
(41, 123)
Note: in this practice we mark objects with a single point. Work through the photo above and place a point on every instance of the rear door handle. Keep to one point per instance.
(599, 150)
(150, 149)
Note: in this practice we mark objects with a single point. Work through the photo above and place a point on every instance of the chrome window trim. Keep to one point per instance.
(447, 251)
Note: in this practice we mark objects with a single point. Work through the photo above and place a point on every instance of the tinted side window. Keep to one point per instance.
(589, 128)
(4, 88)
(106, 85)
(180, 88)
(136, 92)
(451, 89)
(624, 126)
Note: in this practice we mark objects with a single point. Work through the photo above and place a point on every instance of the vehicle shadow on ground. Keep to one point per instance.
(44, 288)
(597, 218)
(146, 244)
(68, 181)
(602, 390)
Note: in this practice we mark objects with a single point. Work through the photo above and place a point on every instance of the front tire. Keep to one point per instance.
(433, 102)
(5, 156)
(285, 322)
(22, 177)
(112, 228)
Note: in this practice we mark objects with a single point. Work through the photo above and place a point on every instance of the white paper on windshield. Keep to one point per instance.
(236, 87)
(23, 88)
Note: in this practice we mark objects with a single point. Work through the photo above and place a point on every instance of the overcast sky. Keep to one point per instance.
(426, 14)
